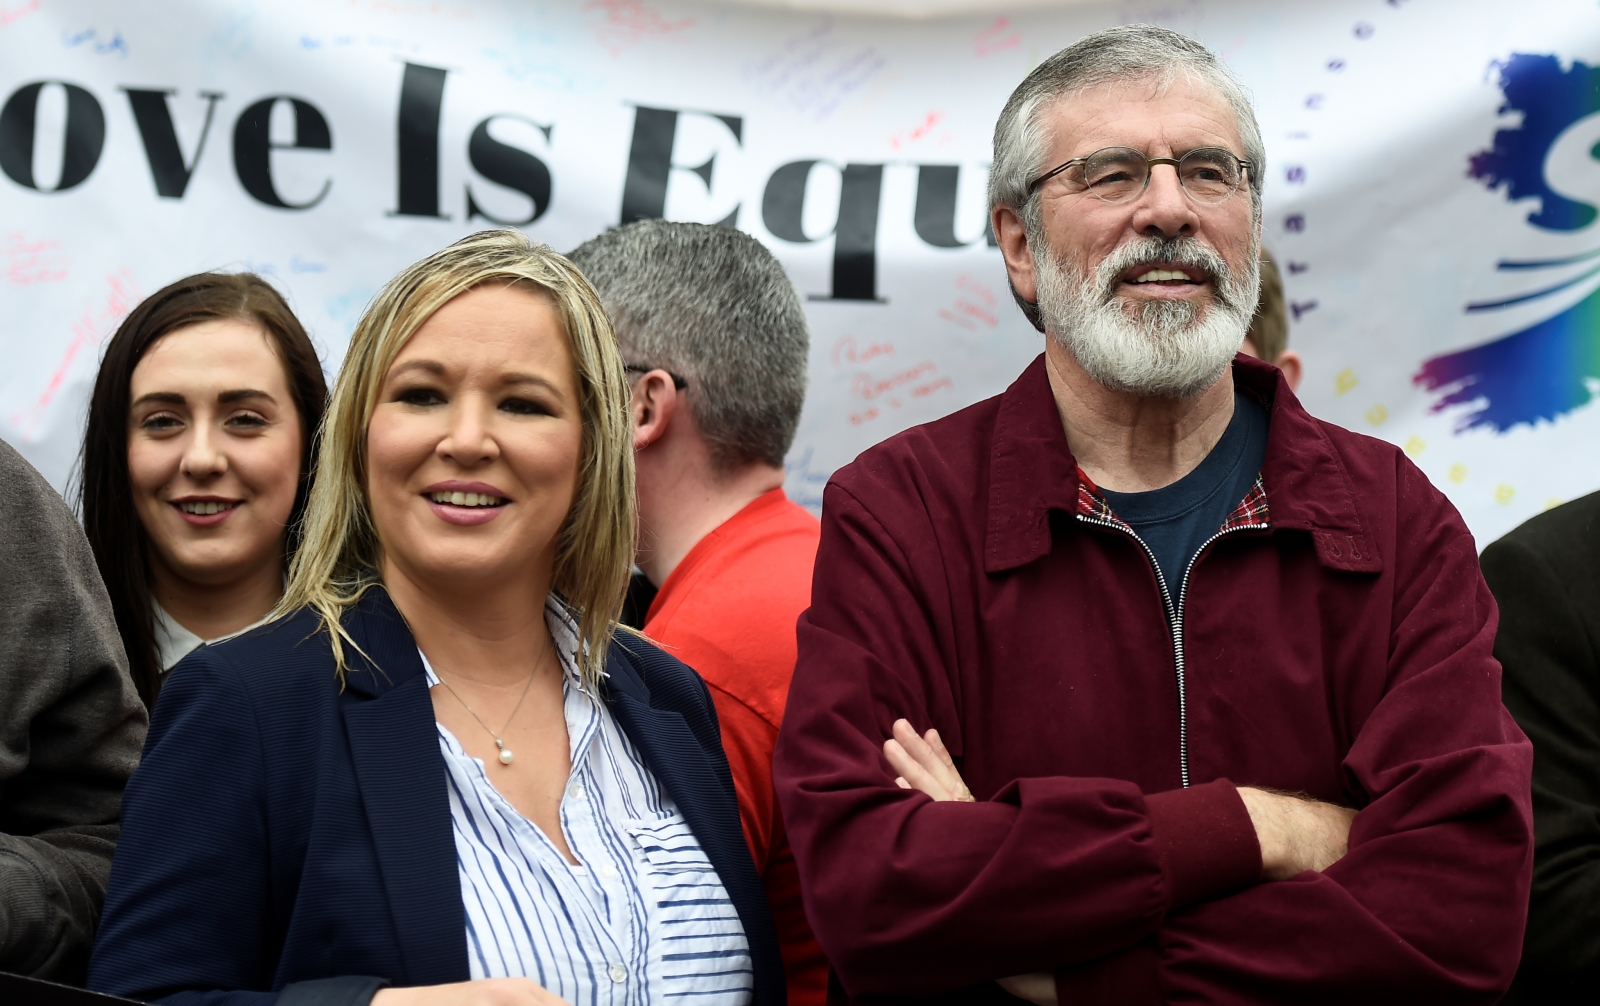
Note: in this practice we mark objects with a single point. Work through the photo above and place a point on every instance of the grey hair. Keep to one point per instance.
(713, 306)
(1127, 53)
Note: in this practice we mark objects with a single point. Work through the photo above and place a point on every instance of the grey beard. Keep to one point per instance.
(1169, 348)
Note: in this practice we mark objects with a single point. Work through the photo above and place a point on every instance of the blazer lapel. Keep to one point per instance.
(394, 745)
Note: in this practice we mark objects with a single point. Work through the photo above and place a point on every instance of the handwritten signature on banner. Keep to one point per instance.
(975, 304)
(816, 71)
(91, 328)
(848, 350)
(96, 41)
(626, 23)
(11, 15)
(998, 37)
(29, 262)
(297, 265)
(881, 393)
(901, 138)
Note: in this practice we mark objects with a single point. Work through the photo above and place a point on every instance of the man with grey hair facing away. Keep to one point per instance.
(715, 343)
(1217, 674)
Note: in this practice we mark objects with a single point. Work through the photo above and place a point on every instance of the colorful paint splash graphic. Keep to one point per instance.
(1548, 369)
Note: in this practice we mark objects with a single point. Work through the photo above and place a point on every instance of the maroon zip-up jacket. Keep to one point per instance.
(1338, 645)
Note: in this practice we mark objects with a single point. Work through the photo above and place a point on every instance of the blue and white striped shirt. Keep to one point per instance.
(644, 919)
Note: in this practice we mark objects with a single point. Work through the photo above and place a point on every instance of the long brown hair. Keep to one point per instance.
(105, 496)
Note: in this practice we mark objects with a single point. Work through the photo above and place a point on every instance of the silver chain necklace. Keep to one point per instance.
(499, 739)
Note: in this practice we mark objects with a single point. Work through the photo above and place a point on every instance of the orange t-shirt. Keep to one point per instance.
(729, 611)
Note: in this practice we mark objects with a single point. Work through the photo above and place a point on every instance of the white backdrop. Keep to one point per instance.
(1432, 189)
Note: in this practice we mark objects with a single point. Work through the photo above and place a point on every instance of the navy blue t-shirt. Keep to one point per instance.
(1176, 520)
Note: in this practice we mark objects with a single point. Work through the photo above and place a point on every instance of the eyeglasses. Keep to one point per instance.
(1117, 174)
(639, 368)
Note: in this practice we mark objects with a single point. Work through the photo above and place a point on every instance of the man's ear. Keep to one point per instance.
(1012, 238)
(652, 405)
(1293, 369)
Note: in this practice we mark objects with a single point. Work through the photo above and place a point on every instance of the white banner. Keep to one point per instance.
(1432, 189)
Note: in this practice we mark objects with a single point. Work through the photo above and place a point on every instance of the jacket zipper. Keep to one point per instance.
(1174, 619)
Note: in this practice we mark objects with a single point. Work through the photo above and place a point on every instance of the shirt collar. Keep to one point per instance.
(173, 641)
(1032, 473)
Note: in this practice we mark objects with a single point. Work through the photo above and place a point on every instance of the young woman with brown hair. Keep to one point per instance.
(196, 463)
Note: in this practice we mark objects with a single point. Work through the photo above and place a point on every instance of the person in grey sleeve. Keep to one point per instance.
(71, 728)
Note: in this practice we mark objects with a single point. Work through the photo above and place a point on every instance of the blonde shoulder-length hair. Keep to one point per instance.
(338, 557)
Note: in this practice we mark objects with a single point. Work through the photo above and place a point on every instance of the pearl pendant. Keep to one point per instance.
(505, 756)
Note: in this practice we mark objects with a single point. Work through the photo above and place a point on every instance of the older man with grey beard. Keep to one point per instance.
(1136, 683)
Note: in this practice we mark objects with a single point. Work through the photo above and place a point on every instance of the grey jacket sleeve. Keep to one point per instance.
(71, 728)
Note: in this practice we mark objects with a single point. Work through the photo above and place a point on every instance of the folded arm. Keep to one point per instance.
(1296, 834)
(1428, 904)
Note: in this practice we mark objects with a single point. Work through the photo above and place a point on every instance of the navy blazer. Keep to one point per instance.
(284, 834)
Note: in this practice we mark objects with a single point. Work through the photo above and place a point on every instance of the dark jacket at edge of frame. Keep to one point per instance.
(1546, 577)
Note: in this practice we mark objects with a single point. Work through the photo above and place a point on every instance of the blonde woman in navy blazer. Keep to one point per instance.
(443, 776)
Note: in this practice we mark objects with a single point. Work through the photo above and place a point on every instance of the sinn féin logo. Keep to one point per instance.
(1553, 367)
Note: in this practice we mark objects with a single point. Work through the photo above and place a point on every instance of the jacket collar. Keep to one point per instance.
(394, 747)
(1306, 480)
(387, 654)
(1032, 472)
